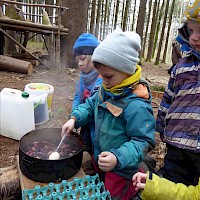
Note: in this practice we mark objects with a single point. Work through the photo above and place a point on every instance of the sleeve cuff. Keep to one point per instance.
(72, 117)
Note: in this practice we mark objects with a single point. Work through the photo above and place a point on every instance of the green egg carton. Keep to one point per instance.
(89, 187)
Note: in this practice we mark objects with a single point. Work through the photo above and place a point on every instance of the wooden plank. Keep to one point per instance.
(28, 29)
(8, 21)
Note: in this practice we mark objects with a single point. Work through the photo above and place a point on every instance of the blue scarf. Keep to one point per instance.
(89, 79)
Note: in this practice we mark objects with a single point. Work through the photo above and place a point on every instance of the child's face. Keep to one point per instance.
(111, 77)
(194, 38)
(84, 63)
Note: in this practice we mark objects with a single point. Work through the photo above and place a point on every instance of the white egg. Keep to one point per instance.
(54, 156)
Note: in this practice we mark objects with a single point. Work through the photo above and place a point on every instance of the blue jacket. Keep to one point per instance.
(79, 93)
(80, 97)
(179, 113)
(124, 127)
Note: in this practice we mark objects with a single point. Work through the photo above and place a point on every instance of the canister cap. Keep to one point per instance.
(25, 94)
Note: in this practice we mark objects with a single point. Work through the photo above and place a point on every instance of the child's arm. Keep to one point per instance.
(68, 126)
(107, 161)
(161, 188)
(139, 180)
(80, 116)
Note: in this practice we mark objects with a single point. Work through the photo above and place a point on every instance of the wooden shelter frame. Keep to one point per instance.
(25, 27)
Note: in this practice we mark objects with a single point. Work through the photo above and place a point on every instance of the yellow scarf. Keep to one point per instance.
(130, 81)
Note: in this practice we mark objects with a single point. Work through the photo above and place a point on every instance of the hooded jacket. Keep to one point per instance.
(179, 113)
(123, 126)
(157, 188)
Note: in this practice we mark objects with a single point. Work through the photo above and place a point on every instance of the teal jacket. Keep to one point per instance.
(124, 126)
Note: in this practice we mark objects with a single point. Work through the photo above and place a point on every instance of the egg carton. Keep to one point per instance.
(89, 187)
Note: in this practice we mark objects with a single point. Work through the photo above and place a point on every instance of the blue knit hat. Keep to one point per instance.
(85, 44)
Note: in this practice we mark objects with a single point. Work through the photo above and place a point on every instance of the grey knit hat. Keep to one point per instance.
(119, 50)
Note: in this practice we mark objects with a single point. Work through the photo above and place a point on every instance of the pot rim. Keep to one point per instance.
(41, 129)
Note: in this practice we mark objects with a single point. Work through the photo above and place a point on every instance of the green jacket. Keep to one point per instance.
(163, 189)
(123, 126)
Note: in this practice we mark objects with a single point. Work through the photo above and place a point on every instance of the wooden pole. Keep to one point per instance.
(58, 37)
(22, 47)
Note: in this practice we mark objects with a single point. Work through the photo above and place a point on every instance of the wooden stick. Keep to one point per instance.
(22, 47)
(32, 4)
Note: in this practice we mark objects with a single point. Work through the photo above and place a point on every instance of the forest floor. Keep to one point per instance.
(64, 86)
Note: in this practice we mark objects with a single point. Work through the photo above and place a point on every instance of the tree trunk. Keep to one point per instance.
(10, 47)
(96, 33)
(126, 13)
(140, 22)
(76, 20)
(133, 16)
(152, 33)
(116, 14)
(93, 12)
(158, 27)
(146, 31)
(162, 34)
(105, 18)
(168, 32)
(15, 65)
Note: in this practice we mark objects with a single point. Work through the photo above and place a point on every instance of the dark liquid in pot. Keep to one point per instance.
(42, 149)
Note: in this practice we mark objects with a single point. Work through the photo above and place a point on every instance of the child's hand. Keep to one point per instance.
(139, 180)
(68, 127)
(107, 161)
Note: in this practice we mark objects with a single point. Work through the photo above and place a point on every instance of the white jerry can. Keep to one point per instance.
(17, 113)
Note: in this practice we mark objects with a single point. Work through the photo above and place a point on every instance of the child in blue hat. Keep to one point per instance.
(88, 82)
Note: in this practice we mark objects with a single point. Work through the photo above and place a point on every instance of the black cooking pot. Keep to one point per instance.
(46, 171)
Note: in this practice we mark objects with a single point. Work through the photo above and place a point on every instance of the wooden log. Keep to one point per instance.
(9, 183)
(28, 58)
(15, 65)
(34, 62)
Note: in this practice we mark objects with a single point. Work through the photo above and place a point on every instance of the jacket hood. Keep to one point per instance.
(183, 40)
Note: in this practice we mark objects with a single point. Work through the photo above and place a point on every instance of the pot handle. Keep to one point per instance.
(28, 161)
